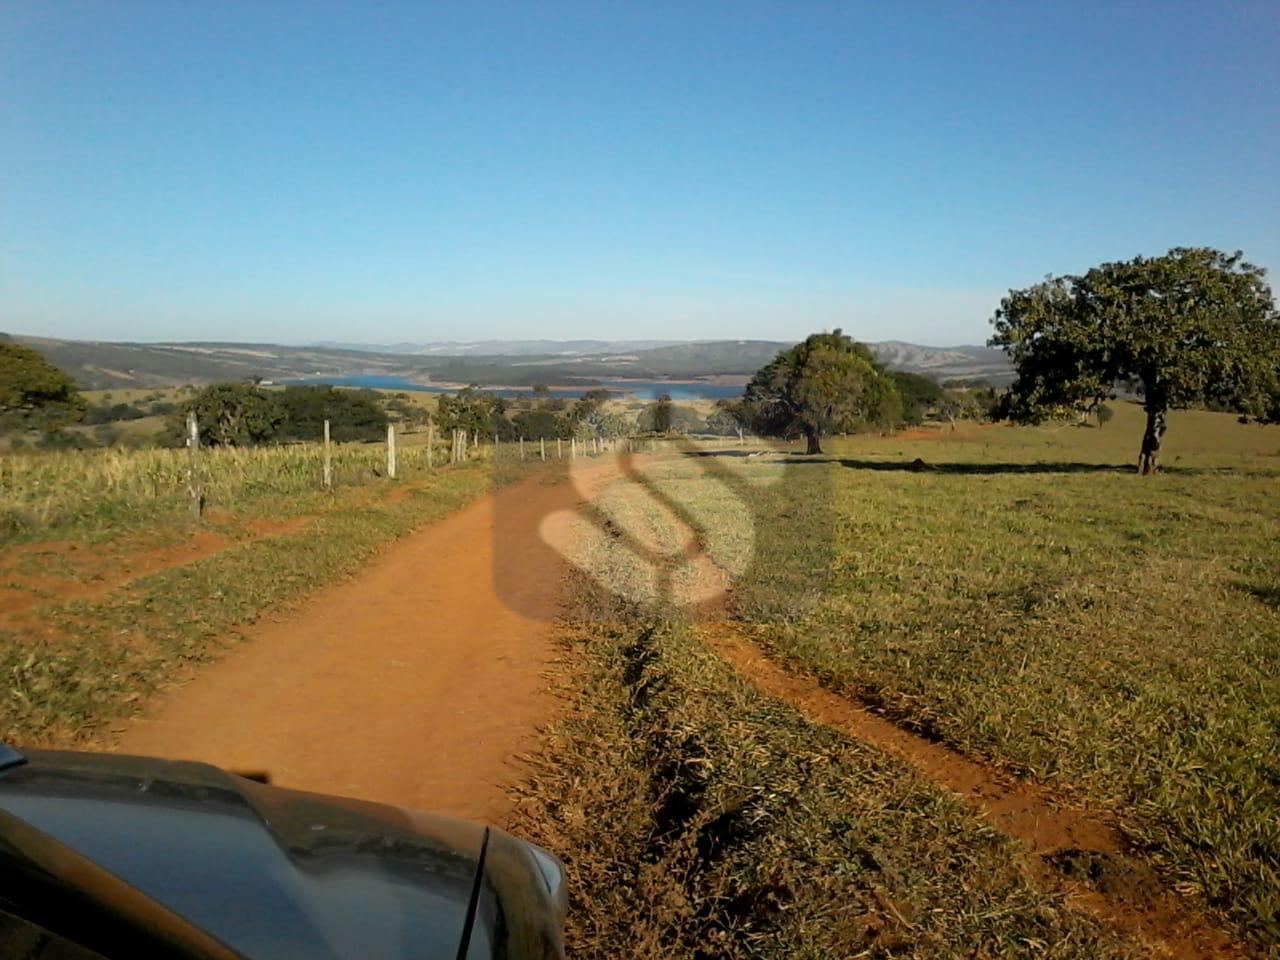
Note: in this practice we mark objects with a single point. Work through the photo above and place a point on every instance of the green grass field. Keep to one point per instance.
(1019, 594)
(1115, 637)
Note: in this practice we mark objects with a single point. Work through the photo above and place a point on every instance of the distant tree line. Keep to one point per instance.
(240, 415)
(539, 417)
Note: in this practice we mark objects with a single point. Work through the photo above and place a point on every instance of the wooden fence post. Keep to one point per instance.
(522, 448)
(328, 459)
(559, 451)
(193, 466)
(391, 450)
(542, 448)
(431, 442)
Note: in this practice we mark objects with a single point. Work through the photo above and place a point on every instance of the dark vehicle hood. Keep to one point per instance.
(271, 873)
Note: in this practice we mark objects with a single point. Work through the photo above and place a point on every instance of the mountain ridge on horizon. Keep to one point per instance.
(579, 346)
(122, 364)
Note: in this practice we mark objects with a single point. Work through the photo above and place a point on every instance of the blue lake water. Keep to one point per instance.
(641, 389)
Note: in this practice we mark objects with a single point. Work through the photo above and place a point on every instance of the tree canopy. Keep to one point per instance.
(34, 394)
(1193, 326)
(659, 416)
(474, 410)
(667, 417)
(352, 414)
(919, 393)
(540, 424)
(728, 417)
(827, 383)
(235, 415)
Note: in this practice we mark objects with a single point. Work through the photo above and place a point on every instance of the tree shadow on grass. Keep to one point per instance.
(923, 466)
(1047, 466)
(1268, 595)
(977, 469)
(985, 469)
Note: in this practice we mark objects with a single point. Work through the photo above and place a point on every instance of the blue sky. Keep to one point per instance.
(382, 172)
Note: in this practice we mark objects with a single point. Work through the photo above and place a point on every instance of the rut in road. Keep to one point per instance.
(416, 684)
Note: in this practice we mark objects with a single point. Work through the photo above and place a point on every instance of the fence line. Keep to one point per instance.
(47, 489)
(194, 490)
(328, 459)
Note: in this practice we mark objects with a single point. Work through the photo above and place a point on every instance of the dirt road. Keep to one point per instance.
(416, 684)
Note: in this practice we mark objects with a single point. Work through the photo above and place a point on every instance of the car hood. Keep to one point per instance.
(271, 873)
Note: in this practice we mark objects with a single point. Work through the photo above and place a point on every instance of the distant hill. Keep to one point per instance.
(102, 365)
(946, 363)
(505, 348)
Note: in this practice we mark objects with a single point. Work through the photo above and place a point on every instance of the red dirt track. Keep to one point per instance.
(416, 684)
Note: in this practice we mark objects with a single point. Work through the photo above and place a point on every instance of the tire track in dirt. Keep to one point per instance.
(1075, 852)
(419, 683)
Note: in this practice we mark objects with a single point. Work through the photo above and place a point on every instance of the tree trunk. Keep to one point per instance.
(814, 441)
(1149, 460)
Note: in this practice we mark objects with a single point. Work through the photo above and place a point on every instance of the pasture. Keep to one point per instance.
(1017, 595)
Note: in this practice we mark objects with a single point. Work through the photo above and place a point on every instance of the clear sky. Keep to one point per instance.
(376, 172)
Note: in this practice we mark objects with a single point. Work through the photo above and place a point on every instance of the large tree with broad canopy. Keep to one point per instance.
(1195, 326)
(828, 383)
